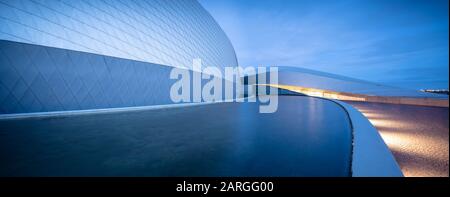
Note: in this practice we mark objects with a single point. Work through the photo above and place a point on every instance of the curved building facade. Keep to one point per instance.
(58, 55)
(158, 31)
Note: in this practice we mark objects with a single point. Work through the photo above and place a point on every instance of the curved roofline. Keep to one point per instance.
(228, 38)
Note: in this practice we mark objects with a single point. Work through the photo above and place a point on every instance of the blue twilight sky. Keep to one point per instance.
(402, 43)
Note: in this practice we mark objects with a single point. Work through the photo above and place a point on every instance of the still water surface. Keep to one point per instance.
(305, 137)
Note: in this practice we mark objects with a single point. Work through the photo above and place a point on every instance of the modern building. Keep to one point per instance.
(65, 63)
(331, 86)
(412, 123)
(78, 55)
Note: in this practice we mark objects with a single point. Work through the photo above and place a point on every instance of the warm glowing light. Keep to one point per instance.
(407, 143)
(379, 123)
(374, 116)
(320, 93)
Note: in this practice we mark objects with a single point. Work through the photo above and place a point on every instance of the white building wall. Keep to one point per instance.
(167, 32)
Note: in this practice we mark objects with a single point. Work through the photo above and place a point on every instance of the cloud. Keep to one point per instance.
(362, 39)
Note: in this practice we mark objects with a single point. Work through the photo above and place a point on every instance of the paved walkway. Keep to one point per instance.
(418, 136)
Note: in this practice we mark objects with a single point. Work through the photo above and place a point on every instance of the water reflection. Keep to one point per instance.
(305, 137)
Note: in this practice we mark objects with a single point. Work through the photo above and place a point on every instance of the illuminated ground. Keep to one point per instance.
(418, 136)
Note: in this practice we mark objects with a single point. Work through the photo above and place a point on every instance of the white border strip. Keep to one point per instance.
(371, 156)
(107, 110)
(94, 111)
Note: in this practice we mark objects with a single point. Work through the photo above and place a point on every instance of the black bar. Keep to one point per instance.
(361, 186)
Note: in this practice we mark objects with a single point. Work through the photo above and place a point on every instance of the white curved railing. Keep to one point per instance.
(371, 156)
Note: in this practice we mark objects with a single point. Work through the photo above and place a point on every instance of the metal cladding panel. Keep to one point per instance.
(164, 32)
(35, 78)
(58, 55)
